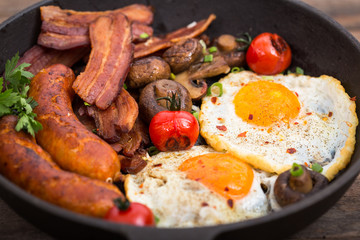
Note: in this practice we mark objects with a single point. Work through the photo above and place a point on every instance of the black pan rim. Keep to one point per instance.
(339, 183)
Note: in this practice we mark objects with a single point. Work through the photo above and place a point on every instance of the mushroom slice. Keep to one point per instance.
(193, 78)
(197, 88)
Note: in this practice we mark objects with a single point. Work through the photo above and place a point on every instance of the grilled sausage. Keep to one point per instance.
(26, 164)
(71, 145)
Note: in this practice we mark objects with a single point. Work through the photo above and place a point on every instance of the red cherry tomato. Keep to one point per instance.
(173, 130)
(131, 213)
(268, 54)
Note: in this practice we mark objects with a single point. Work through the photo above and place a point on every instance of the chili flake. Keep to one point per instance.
(221, 128)
(291, 150)
(251, 117)
(353, 98)
(230, 202)
(243, 134)
(213, 100)
(330, 114)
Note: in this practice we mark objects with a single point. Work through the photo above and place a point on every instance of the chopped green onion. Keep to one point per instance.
(236, 69)
(144, 35)
(203, 44)
(208, 58)
(87, 104)
(299, 71)
(125, 86)
(172, 76)
(296, 170)
(196, 115)
(213, 49)
(213, 87)
(157, 219)
(153, 151)
(267, 77)
(95, 131)
(316, 167)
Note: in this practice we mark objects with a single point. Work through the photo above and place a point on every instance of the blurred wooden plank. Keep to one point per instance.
(340, 222)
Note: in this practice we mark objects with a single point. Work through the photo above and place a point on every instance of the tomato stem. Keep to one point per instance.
(121, 204)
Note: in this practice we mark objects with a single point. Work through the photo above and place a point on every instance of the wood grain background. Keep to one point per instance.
(342, 221)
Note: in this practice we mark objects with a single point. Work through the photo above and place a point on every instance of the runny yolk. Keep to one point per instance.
(221, 173)
(263, 103)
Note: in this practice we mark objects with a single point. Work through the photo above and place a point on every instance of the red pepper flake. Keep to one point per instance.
(213, 100)
(141, 185)
(296, 123)
(157, 165)
(267, 142)
(220, 119)
(306, 164)
(296, 94)
(221, 128)
(243, 134)
(353, 99)
(197, 179)
(226, 189)
(230, 202)
(204, 204)
(242, 84)
(330, 114)
(251, 117)
(308, 113)
(291, 150)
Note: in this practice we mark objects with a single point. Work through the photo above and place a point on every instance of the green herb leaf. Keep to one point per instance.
(213, 49)
(14, 99)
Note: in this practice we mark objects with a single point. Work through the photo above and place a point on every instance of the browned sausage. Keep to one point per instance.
(26, 164)
(70, 144)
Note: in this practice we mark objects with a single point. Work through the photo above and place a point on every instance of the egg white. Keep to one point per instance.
(323, 132)
(181, 202)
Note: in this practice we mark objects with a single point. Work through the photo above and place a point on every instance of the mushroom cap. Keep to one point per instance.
(285, 195)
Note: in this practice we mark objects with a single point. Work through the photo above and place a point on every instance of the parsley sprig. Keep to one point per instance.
(14, 87)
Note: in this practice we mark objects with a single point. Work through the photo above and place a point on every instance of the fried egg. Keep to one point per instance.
(199, 187)
(273, 121)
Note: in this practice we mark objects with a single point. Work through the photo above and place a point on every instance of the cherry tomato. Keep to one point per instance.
(173, 130)
(268, 54)
(131, 213)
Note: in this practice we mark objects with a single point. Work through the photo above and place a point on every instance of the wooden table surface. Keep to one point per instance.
(342, 221)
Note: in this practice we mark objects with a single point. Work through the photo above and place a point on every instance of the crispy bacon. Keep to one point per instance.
(155, 44)
(134, 164)
(64, 29)
(119, 118)
(62, 42)
(109, 61)
(40, 57)
(135, 13)
(62, 37)
(130, 142)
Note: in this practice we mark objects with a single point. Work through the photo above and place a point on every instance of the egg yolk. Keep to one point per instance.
(221, 173)
(263, 103)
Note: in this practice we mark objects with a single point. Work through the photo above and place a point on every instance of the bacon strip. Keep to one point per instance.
(132, 141)
(62, 37)
(155, 44)
(40, 57)
(135, 13)
(119, 118)
(109, 61)
(63, 29)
